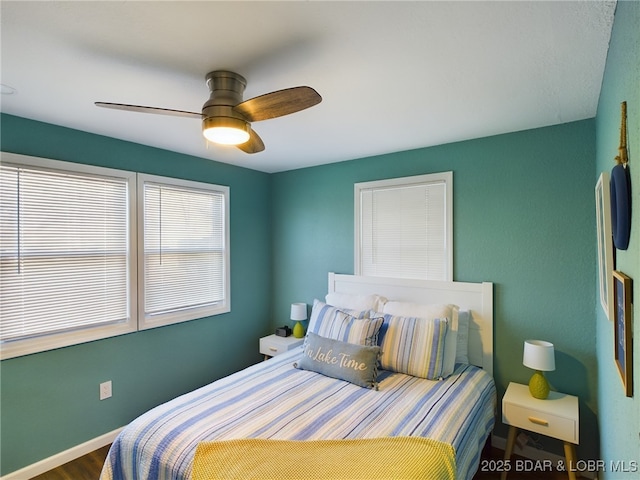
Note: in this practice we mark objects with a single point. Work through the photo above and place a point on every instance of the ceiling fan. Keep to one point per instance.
(226, 118)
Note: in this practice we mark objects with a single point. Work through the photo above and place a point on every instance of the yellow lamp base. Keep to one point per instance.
(538, 386)
(298, 330)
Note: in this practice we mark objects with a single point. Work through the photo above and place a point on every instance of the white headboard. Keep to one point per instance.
(476, 297)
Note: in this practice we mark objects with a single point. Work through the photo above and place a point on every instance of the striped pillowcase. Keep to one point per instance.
(414, 346)
(344, 325)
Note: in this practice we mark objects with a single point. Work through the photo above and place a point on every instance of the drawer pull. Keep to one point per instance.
(273, 349)
(539, 421)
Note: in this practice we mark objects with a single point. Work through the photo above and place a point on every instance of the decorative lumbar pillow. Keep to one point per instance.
(357, 364)
(431, 311)
(414, 346)
(330, 322)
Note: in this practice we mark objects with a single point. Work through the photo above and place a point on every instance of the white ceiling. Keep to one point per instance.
(393, 75)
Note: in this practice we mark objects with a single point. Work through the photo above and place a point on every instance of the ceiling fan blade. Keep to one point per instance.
(253, 145)
(278, 103)
(143, 109)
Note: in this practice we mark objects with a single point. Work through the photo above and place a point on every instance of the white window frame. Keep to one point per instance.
(135, 285)
(27, 346)
(146, 321)
(395, 183)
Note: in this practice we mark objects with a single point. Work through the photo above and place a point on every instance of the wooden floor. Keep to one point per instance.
(83, 468)
(89, 467)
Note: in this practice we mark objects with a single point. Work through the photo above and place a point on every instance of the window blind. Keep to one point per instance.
(63, 251)
(184, 249)
(403, 229)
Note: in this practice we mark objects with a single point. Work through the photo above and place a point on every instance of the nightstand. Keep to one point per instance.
(273, 345)
(557, 416)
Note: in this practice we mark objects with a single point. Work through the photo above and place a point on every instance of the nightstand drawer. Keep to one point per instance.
(540, 422)
(274, 345)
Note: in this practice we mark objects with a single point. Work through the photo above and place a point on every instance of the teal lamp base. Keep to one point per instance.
(538, 385)
(298, 330)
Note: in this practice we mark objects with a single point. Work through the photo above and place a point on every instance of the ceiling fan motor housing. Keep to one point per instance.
(226, 90)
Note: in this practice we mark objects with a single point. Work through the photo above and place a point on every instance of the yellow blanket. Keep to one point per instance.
(387, 458)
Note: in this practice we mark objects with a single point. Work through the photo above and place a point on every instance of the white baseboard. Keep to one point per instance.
(533, 454)
(61, 458)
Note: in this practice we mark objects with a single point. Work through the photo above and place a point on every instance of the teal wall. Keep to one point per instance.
(619, 416)
(49, 401)
(523, 219)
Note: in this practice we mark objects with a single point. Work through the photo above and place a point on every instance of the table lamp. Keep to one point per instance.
(298, 313)
(539, 355)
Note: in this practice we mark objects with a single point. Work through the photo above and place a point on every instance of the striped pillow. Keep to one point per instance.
(414, 346)
(344, 325)
(449, 311)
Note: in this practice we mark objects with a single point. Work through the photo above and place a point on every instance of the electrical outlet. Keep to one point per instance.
(105, 390)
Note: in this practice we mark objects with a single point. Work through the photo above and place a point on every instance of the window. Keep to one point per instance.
(403, 227)
(88, 253)
(185, 250)
(65, 254)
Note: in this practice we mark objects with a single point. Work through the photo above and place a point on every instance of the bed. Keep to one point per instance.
(288, 403)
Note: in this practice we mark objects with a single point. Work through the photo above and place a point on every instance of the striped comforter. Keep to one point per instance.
(275, 400)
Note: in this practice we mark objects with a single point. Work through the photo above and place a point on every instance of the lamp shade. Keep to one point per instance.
(539, 355)
(298, 311)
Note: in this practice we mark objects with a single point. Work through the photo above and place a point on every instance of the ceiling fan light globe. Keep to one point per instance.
(225, 130)
(226, 135)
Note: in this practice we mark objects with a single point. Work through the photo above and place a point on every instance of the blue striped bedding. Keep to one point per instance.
(275, 400)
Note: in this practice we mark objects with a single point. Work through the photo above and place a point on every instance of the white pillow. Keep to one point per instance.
(356, 302)
(431, 311)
